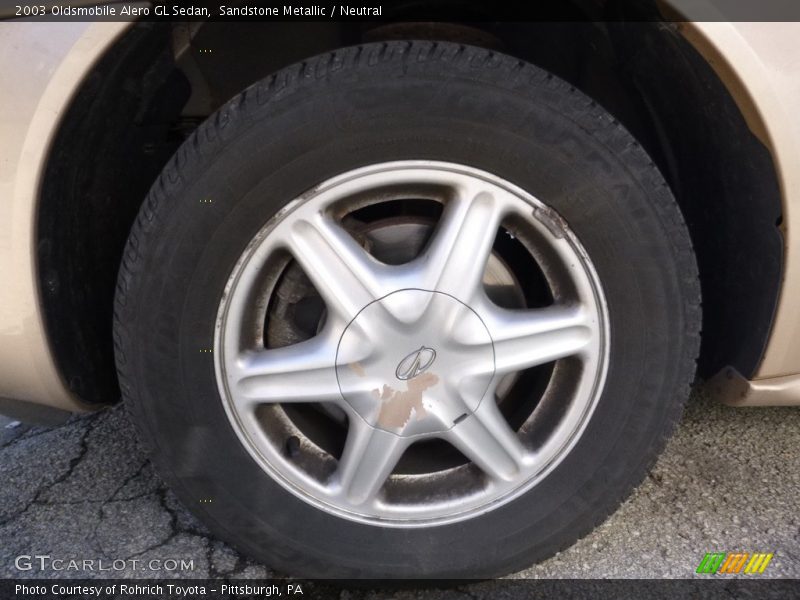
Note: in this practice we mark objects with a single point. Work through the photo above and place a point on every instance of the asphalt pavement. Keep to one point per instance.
(728, 481)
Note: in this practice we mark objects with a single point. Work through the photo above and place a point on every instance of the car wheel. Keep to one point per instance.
(411, 309)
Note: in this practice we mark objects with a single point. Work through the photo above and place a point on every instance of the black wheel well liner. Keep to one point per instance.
(129, 117)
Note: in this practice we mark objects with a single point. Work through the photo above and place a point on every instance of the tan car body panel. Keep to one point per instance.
(43, 64)
(731, 388)
(41, 67)
(760, 65)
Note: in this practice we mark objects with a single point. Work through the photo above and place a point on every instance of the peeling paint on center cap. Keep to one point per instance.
(400, 405)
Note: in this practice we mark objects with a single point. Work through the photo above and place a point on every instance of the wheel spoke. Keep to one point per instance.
(486, 438)
(367, 461)
(346, 276)
(528, 338)
(303, 372)
(455, 261)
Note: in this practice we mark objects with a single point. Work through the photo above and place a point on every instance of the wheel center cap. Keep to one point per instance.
(415, 362)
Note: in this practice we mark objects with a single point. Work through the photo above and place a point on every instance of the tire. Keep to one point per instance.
(375, 104)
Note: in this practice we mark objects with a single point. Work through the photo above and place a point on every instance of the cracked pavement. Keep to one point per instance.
(728, 481)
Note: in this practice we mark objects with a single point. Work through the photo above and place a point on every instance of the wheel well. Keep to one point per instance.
(161, 80)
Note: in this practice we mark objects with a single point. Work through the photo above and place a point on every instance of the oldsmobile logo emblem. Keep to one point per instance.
(415, 363)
